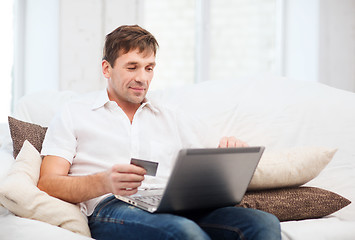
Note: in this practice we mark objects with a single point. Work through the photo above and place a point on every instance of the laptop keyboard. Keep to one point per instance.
(150, 200)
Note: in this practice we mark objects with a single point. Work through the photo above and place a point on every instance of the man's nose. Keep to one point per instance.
(141, 76)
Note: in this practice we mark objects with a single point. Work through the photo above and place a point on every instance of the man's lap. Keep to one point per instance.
(114, 219)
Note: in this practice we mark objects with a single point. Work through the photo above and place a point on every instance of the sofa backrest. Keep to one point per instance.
(273, 112)
(41, 107)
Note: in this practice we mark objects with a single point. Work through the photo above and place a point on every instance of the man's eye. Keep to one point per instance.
(131, 68)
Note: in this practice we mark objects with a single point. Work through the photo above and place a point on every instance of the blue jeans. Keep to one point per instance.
(114, 219)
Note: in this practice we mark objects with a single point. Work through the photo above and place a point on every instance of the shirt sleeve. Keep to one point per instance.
(60, 139)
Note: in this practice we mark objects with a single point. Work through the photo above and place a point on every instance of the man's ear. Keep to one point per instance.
(106, 69)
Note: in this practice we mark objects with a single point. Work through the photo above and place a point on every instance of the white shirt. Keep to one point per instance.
(93, 133)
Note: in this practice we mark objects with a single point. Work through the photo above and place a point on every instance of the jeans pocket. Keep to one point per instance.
(98, 210)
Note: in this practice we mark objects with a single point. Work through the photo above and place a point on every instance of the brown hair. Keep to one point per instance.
(126, 38)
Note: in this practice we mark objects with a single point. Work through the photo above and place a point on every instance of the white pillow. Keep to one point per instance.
(290, 168)
(19, 194)
(7, 160)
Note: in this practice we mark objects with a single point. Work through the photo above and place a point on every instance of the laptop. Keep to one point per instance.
(202, 178)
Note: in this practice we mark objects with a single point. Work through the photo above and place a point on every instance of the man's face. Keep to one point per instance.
(130, 77)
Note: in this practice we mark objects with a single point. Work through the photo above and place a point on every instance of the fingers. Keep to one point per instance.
(125, 179)
(231, 142)
(129, 168)
(125, 189)
(126, 192)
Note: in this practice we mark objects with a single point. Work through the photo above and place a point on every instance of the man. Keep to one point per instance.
(88, 147)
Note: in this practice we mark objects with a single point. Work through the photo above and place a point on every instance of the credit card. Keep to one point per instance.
(150, 167)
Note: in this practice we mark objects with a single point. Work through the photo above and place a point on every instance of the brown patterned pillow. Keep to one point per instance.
(21, 131)
(295, 203)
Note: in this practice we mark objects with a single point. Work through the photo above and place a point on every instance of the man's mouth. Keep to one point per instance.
(137, 89)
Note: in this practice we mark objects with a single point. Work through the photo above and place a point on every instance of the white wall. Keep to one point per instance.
(79, 44)
(319, 41)
(83, 27)
(337, 48)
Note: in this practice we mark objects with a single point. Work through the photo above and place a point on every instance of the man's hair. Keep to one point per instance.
(127, 38)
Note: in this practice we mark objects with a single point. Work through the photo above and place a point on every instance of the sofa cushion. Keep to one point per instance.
(21, 131)
(19, 194)
(290, 167)
(295, 203)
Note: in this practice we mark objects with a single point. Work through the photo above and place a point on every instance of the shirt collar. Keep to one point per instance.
(102, 99)
(147, 103)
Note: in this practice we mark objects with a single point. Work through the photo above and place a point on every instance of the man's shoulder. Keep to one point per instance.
(162, 109)
(160, 105)
(86, 100)
(79, 106)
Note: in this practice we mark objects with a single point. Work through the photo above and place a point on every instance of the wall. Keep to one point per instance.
(82, 32)
(319, 41)
(337, 47)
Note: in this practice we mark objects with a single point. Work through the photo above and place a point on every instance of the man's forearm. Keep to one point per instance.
(74, 189)
(121, 179)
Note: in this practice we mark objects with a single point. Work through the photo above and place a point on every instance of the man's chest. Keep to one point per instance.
(113, 137)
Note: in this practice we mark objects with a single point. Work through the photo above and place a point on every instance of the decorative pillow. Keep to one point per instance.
(19, 194)
(290, 167)
(295, 203)
(21, 131)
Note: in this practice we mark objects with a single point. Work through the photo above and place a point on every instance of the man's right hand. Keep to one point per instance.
(124, 179)
(120, 180)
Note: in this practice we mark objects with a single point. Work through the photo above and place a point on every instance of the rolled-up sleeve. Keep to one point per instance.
(60, 139)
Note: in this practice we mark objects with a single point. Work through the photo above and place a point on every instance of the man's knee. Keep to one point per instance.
(266, 225)
(242, 223)
(183, 228)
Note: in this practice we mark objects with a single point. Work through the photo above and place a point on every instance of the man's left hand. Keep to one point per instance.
(231, 142)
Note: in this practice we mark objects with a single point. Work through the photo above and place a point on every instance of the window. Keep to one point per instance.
(212, 39)
(242, 37)
(6, 57)
(173, 25)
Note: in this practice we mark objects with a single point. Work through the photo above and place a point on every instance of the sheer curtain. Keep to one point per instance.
(6, 57)
(212, 39)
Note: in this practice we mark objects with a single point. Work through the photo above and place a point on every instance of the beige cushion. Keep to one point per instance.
(290, 167)
(19, 194)
(295, 203)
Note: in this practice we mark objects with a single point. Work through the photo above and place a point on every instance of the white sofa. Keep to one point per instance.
(277, 113)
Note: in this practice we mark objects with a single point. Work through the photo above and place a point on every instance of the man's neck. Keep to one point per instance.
(129, 109)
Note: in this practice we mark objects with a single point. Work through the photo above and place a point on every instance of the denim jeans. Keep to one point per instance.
(114, 219)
